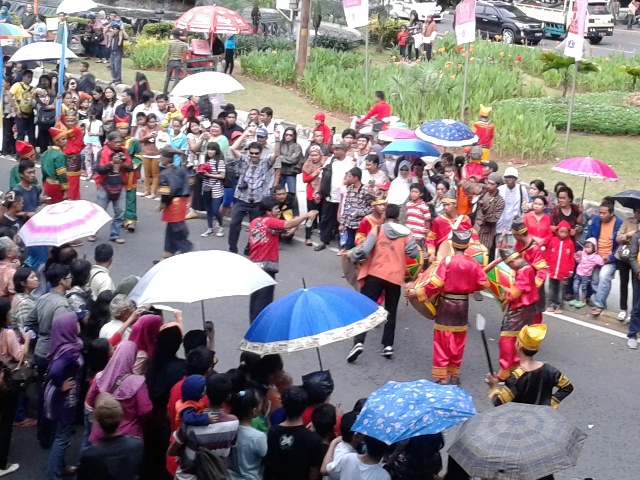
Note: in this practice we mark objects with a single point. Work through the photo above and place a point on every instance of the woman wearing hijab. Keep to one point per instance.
(4, 15)
(164, 371)
(118, 379)
(144, 334)
(400, 187)
(61, 392)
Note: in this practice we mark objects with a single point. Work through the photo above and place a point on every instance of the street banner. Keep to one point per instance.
(575, 37)
(356, 12)
(466, 22)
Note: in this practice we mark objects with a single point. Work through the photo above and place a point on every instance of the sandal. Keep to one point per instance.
(596, 311)
(27, 422)
(119, 241)
(308, 242)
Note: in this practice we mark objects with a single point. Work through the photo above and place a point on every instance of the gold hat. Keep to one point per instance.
(450, 197)
(460, 239)
(531, 336)
(485, 111)
(518, 227)
(379, 201)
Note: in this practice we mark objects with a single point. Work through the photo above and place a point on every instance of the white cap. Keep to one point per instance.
(510, 172)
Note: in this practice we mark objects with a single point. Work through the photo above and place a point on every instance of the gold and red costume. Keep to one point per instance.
(75, 145)
(54, 168)
(520, 312)
(441, 229)
(367, 224)
(535, 256)
(454, 279)
(485, 130)
(472, 169)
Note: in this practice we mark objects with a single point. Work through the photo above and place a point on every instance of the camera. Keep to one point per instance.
(243, 186)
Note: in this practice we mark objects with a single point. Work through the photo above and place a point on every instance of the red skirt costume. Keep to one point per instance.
(535, 256)
(75, 145)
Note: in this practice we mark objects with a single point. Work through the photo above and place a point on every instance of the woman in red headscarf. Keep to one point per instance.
(144, 334)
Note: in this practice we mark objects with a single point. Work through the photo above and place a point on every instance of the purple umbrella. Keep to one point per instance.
(586, 167)
(397, 134)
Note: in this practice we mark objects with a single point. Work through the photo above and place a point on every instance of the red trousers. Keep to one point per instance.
(537, 318)
(448, 349)
(54, 191)
(509, 359)
(74, 187)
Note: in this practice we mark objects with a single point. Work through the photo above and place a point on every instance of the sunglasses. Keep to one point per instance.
(254, 153)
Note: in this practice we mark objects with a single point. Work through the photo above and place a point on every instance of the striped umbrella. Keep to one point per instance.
(8, 30)
(62, 223)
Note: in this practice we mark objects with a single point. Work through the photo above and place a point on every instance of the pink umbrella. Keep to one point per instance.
(586, 167)
(397, 134)
(213, 19)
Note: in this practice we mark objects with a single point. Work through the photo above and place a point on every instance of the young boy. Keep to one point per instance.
(54, 167)
(587, 260)
(190, 407)
(319, 119)
(532, 382)
(560, 252)
(134, 149)
(352, 466)
(418, 214)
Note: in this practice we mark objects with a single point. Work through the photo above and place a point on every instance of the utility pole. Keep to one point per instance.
(303, 38)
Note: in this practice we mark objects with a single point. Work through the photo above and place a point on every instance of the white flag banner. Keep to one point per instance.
(356, 12)
(575, 37)
(466, 22)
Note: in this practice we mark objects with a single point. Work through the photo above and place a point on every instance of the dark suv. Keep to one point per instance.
(513, 26)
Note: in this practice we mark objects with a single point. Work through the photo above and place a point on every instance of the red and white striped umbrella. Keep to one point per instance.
(62, 223)
(213, 19)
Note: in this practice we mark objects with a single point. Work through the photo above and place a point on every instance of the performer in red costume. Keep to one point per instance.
(519, 312)
(443, 225)
(485, 130)
(75, 145)
(372, 220)
(455, 278)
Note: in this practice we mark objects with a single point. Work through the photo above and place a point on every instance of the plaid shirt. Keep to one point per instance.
(356, 206)
(255, 176)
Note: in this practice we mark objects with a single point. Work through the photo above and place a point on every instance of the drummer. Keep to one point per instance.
(443, 225)
(454, 279)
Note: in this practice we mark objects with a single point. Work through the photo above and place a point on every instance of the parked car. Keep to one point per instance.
(508, 22)
(402, 9)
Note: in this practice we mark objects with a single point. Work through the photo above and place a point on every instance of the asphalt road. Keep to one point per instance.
(594, 358)
(623, 41)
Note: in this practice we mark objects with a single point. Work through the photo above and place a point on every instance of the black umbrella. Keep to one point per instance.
(628, 198)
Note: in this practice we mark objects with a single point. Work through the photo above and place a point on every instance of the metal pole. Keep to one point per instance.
(303, 39)
(366, 61)
(203, 319)
(319, 359)
(571, 100)
(63, 58)
(464, 85)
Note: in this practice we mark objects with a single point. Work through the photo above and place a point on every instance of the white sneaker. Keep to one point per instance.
(10, 469)
(219, 231)
(632, 343)
(627, 320)
(207, 233)
(141, 194)
(622, 315)
(355, 352)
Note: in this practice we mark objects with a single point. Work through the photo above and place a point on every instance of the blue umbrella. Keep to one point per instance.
(398, 411)
(447, 133)
(310, 318)
(413, 148)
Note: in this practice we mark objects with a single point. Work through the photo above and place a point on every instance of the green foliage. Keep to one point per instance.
(562, 65)
(388, 30)
(275, 67)
(245, 44)
(162, 29)
(339, 44)
(633, 72)
(149, 53)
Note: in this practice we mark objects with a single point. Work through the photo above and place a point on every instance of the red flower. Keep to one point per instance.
(459, 48)
(519, 58)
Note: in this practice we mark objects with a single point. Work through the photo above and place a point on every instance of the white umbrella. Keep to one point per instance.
(41, 51)
(206, 83)
(197, 276)
(74, 6)
(62, 223)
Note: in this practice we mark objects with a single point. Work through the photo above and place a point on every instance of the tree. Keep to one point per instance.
(316, 18)
(562, 65)
(634, 72)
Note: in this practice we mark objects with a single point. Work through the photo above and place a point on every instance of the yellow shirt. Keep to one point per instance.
(17, 90)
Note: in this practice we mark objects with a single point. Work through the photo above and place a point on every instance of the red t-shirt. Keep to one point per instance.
(264, 239)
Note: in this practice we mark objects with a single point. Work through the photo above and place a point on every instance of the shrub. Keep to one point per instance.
(276, 67)
(389, 31)
(339, 44)
(149, 53)
(163, 29)
(245, 44)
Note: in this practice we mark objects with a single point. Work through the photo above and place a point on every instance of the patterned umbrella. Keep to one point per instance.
(8, 30)
(401, 410)
(213, 19)
(447, 133)
(517, 442)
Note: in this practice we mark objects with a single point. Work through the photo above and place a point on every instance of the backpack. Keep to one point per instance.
(25, 103)
(209, 466)
(229, 176)
(325, 181)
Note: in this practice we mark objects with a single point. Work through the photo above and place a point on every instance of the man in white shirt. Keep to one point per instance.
(339, 164)
(267, 122)
(352, 466)
(99, 278)
(120, 309)
(514, 196)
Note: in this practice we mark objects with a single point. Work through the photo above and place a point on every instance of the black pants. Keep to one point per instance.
(260, 299)
(44, 139)
(26, 127)
(410, 52)
(310, 225)
(174, 67)
(373, 288)
(45, 426)
(8, 142)
(240, 210)
(556, 289)
(625, 274)
(8, 404)
(176, 238)
(329, 222)
(229, 54)
(403, 51)
(428, 47)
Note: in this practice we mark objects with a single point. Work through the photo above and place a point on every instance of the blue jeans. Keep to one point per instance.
(581, 286)
(61, 442)
(102, 199)
(88, 425)
(634, 324)
(289, 181)
(213, 210)
(601, 283)
(115, 65)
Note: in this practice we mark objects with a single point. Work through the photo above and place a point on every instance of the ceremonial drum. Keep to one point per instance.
(426, 309)
(475, 250)
(413, 266)
(350, 271)
(501, 279)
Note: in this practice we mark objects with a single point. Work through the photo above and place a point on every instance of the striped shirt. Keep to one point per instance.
(176, 47)
(215, 184)
(216, 437)
(418, 214)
